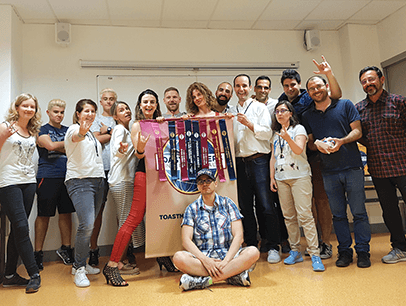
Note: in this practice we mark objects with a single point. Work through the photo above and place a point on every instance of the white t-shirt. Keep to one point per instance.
(288, 165)
(97, 124)
(84, 157)
(122, 165)
(16, 165)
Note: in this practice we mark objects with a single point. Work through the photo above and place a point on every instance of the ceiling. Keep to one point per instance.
(208, 14)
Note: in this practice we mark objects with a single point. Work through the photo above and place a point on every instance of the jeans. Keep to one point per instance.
(348, 187)
(16, 201)
(253, 179)
(87, 196)
(386, 190)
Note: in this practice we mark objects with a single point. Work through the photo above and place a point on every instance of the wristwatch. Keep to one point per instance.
(109, 130)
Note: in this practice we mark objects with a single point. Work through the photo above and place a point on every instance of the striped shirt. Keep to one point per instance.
(212, 227)
(384, 128)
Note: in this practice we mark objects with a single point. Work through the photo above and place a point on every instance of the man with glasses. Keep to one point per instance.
(333, 127)
(300, 99)
(383, 119)
(212, 235)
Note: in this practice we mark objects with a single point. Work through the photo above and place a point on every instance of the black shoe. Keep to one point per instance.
(15, 280)
(363, 260)
(33, 284)
(94, 257)
(66, 254)
(344, 259)
(285, 247)
(39, 257)
(167, 263)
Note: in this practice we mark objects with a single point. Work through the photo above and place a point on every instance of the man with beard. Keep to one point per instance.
(224, 93)
(336, 126)
(383, 119)
(172, 101)
(301, 100)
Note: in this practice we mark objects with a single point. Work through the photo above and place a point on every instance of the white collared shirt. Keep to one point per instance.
(248, 142)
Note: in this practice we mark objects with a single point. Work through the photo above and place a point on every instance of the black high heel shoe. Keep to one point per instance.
(167, 263)
(112, 274)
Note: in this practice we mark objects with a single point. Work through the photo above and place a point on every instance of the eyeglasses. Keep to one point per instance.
(201, 182)
(368, 80)
(281, 111)
(318, 87)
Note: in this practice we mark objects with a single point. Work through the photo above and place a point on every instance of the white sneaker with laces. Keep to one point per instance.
(80, 278)
(273, 256)
(89, 270)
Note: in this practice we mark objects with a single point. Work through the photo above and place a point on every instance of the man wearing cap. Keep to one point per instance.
(212, 235)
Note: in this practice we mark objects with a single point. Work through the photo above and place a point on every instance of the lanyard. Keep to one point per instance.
(245, 109)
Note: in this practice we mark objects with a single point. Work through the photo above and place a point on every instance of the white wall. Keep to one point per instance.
(392, 35)
(10, 57)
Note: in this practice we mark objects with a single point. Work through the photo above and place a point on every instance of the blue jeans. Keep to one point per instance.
(87, 196)
(253, 179)
(348, 187)
(16, 201)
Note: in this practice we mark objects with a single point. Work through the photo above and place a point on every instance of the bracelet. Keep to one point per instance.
(140, 153)
(80, 135)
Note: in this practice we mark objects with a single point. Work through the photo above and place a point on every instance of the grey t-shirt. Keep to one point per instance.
(97, 124)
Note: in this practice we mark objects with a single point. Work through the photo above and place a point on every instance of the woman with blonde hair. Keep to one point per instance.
(17, 186)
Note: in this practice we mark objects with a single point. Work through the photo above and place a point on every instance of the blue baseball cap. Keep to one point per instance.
(207, 172)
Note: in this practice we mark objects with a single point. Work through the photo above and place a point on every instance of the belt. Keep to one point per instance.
(250, 158)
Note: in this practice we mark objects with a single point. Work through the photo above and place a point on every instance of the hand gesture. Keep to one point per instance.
(324, 67)
(84, 126)
(141, 142)
(123, 147)
(11, 129)
(284, 133)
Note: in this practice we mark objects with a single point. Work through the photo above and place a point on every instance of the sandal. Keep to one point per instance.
(112, 275)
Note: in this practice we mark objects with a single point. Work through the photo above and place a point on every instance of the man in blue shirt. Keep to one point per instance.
(336, 125)
(212, 235)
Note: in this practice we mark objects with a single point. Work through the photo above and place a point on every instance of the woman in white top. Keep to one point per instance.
(291, 177)
(84, 182)
(121, 176)
(18, 185)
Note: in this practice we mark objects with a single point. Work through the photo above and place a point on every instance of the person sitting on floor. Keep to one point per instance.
(213, 249)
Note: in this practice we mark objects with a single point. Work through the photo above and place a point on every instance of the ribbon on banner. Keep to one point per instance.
(189, 151)
(227, 149)
(174, 151)
(203, 143)
(159, 150)
(182, 150)
(196, 146)
(216, 144)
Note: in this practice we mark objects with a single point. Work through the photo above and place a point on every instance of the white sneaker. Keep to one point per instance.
(80, 279)
(273, 256)
(88, 270)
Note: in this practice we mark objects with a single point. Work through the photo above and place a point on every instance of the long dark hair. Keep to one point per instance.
(138, 112)
(293, 121)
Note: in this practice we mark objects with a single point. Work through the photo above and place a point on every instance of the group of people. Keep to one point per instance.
(297, 163)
